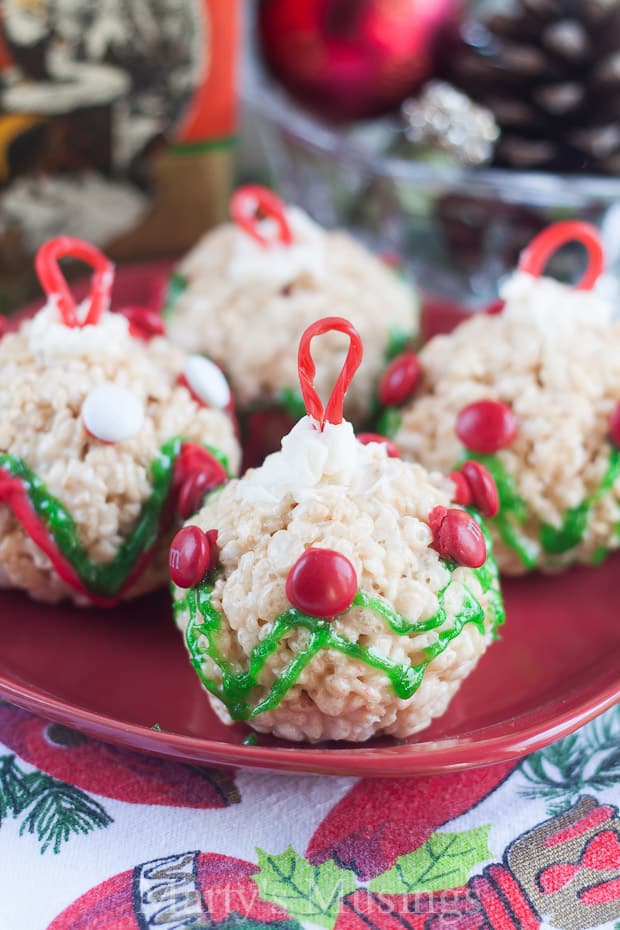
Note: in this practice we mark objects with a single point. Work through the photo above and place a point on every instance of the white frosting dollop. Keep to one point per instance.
(308, 458)
(207, 381)
(552, 307)
(112, 413)
(279, 264)
(53, 343)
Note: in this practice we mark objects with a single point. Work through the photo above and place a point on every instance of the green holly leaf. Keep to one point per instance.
(444, 861)
(307, 892)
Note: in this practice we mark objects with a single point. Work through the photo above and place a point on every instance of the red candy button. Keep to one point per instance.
(486, 426)
(462, 494)
(390, 447)
(457, 536)
(399, 380)
(143, 323)
(482, 488)
(614, 425)
(196, 473)
(190, 557)
(321, 583)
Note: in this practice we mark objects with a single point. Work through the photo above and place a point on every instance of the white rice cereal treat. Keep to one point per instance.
(101, 441)
(250, 289)
(334, 593)
(532, 392)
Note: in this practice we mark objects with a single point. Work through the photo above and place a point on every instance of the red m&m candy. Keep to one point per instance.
(390, 447)
(486, 426)
(144, 323)
(191, 556)
(614, 425)
(457, 536)
(399, 380)
(482, 488)
(462, 494)
(321, 583)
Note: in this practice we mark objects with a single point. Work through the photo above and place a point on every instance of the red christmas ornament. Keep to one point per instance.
(399, 380)
(462, 494)
(486, 426)
(390, 447)
(614, 425)
(350, 59)
(144, 323)
(321, 583)
(190, 557)
(457, 536)
(482, 488)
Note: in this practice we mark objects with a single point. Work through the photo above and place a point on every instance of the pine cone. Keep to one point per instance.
(549, 70)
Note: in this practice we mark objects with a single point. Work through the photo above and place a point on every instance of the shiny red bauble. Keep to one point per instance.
(457, 536)
(190, 558)
(390, 447)
(399, 380)
(482, 488)
(321, 583)
(486, 426)
(351, 59)
(614, 425)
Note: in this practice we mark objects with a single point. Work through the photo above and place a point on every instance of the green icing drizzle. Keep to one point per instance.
(559, 539)
(293, 402)
(104, 579)
(177, 283)
(398, 340)
(389, 422)
(554, 540)
(237, 684)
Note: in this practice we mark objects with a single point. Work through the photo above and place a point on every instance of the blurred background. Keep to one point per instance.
(445, 134)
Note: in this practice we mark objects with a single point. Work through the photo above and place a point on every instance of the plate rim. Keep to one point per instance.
(403, 760)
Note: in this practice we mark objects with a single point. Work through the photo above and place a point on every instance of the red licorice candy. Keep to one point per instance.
(390, 447)
(486, 426)
(482, 488)
(399, 380)
(614, 425)
(321, 583)
(457, 536)
(252, 202)
(190, 558)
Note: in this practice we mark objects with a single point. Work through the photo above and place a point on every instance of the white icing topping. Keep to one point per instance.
(308, 458)
(279, 264)
(207, 381)
(112, 413)
(52, 342)
(550, 306)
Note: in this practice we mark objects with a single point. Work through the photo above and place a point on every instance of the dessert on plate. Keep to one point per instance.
(247, 291)
(109, 436)
(335, 592)
(532, 392)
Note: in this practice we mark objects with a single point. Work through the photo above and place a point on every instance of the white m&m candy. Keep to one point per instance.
(112, 413)
(207, 381)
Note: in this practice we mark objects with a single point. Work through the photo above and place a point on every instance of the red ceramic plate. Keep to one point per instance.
(122, 675)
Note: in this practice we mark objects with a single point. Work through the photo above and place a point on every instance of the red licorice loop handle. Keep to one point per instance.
(54, 284)
(251, 202)
(307, 370)
(534, 258)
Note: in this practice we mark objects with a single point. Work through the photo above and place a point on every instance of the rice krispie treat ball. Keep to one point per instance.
(532, 392)
(336, 592)
(250, 288)
(109, 436)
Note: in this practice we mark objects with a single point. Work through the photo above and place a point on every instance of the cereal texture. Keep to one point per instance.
(247, 310)
(373, 510)
(553, 355)
(46, 373)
